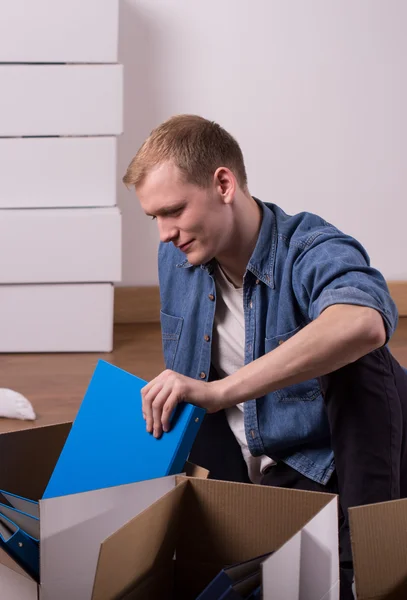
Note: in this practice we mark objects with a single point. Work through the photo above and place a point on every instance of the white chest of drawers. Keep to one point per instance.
(60, 229)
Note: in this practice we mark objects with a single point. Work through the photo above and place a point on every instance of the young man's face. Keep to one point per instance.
(198, 221)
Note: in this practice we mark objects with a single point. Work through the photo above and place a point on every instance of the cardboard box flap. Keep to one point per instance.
(307, 565)
(281, 572)
(15, 586)
(73, 528)
(379, 546)
(192, 470)
(8, 562)
(224, 517)
(148, 540)
(33, 452)
(320, 554)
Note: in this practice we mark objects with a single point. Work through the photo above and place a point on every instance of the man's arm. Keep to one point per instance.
(340, 335)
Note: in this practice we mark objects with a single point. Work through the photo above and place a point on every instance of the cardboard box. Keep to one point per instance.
(44, 100)
(379, 547)
(57, 172)
(60, 246)
(165, 538)
(56, 318)
(50, 31)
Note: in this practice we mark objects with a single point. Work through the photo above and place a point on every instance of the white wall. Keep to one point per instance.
(315, 92)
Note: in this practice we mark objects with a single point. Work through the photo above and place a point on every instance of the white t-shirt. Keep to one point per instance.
(228, 339)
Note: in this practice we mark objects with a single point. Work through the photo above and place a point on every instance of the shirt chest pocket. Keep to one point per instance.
(305, 391)
(170, 332)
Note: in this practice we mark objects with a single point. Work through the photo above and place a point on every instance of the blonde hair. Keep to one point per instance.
(195, 145)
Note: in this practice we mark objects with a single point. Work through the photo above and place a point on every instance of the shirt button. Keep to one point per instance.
(202, 375)
(280, 342)
(257, 281)
(251, 304)
(206, 338)
(211, 297)
(252, 434)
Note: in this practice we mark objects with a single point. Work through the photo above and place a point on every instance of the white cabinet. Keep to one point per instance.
(57, 172)
(54, 31)
(55, 100)
(56, 318)
(66, 245)
(61, 108)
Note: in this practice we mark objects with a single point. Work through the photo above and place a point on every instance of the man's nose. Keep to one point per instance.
(167, 232)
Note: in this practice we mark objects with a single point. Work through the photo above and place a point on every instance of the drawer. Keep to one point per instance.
(57, 172)
(60, 245)
(52, 100)
(49, 31)
(56, 318)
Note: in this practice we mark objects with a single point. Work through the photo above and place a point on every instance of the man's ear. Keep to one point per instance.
(225, 184)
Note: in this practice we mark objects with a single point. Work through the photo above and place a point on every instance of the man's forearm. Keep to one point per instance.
(342, 334)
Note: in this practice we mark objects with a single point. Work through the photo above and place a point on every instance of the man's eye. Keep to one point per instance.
(153, 218)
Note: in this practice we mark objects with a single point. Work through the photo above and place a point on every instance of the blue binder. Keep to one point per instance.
(20, 546)
(256, 594)
(231, 575)
(26, 522)
(242, 589)
(108, 444)
(29, 507)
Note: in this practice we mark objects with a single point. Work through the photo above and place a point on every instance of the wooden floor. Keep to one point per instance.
(55, 383)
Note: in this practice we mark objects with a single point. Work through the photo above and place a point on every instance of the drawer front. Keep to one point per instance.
(49, 31)
(57, 172)
(60, 246)
(61, 100)
(56, 318)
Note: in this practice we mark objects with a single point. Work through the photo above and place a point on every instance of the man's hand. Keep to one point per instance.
(161, 396)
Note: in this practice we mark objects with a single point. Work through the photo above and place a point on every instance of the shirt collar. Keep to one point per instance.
(262, 260)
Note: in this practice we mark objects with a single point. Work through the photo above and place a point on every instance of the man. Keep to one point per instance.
(277, 325)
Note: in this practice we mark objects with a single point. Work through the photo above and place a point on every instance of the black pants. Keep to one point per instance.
(366, 403)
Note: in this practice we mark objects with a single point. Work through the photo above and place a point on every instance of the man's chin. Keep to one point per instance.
(196, 259)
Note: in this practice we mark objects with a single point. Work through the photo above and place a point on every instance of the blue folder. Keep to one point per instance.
(20, 546)
(26, 522)
(256, 594)
(230, 576)
(108, 444)
(29, 507)
(242, 589)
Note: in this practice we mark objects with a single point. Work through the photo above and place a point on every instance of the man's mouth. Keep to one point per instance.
(184, 247)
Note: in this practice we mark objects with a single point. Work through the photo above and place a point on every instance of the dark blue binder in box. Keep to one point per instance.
(20, 546)
(108, 444)
(229, 577)
(243, 589)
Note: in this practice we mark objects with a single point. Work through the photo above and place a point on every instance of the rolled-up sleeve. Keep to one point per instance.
(334, 268)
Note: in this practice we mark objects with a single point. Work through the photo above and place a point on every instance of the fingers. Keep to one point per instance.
(162, 407)
(159, 399)
(148, 395)
(168, 409)
(157, 408)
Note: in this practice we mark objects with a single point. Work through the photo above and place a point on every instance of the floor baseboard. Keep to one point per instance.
(141, 304)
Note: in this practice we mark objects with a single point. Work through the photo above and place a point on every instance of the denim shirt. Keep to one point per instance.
(301, 265)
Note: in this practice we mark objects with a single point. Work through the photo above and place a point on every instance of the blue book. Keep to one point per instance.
(108, 444)
(20, 547)
(231, 575)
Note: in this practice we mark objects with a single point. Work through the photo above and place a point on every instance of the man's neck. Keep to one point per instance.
(247, 226)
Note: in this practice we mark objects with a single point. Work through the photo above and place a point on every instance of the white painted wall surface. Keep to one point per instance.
(315, 92)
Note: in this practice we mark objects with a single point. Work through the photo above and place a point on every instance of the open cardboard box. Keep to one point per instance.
(166, 537)
(379, 547)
